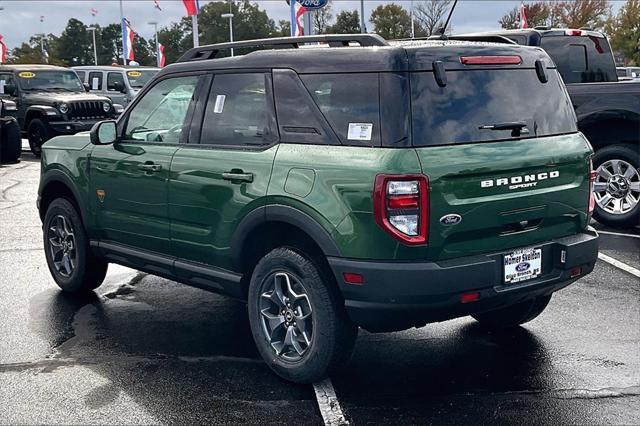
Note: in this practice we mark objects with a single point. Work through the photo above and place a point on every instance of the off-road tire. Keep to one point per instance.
(11, 146)
(631, 155)
(38, 133)
(333, 334)
(515, 315)
(88, 270)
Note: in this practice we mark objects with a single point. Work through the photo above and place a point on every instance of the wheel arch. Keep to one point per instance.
(36, 111)
(55, 184)
(603, 129)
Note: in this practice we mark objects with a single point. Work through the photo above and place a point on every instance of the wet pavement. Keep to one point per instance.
(142, 349)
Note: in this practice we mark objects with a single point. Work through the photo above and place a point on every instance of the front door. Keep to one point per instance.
(116, 88)
(216, 182)
(129, 179)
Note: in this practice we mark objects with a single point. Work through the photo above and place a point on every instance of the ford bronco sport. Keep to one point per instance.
(351, 184)
(51, 101)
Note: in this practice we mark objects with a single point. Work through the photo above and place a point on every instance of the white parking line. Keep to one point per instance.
(619, 234)
(618, 264)
(328, 403)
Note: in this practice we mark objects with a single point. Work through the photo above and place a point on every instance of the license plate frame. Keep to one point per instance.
(522, 265)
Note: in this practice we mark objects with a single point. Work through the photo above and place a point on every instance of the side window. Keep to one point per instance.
(238, 111)
(350, 103)
(95, 80)
(160, 115)
(4, 80)
(81, 75)
(115, 81)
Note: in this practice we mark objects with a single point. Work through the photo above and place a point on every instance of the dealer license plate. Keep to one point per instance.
(522, 265)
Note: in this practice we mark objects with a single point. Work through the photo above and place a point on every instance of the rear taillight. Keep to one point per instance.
(401, 207)
(491, 60)
(593, 174)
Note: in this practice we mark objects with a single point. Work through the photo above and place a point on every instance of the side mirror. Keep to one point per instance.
(87, 87)
(10, 89)
(103, 133)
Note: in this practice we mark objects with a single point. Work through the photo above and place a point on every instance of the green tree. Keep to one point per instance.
(346, 23)
(74, 45)
(283, 28)
(322, 19)
(580, 13)
(624, 32)
(142, 51)
(109, 43)
(391, 21)
(176, 39)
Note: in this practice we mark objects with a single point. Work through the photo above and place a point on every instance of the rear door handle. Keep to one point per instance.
(150, 168)
(237, 176)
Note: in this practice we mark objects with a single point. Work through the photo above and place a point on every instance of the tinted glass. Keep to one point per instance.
(67, 81)
(5, 79)
(81, 75)
(454, 113)
(113, 78)
(138, 78)
(160, 115)
(237, 111)
(95, 80)
(350, 102)
(581, 59)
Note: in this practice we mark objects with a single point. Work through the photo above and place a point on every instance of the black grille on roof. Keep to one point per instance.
(86, 110)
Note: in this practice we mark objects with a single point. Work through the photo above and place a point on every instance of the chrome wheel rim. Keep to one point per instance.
(285, 314)
(62, 245)
(617, 187)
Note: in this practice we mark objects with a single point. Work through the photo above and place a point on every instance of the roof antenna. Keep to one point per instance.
(440, 32)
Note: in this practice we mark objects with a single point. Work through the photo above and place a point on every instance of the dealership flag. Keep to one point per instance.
(300, 10)
(127, 40)
(94, 12)
(523, 17)
(161, 58)
(3, 51)
(156, 4)
(192, 6)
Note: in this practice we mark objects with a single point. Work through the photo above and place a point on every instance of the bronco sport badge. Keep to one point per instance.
(517, 182)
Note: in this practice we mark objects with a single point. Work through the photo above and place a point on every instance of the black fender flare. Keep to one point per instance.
(282, 214)
(60, 177)
(41, 112)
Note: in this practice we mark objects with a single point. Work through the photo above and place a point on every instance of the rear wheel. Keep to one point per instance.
(513, 316)
(617, 186)
(297, 320)
(11, 145)
(71, 262)
(37, 133)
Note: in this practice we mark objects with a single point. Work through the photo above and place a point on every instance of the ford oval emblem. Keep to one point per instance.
(521, 267)
(313, 4)
(450, 219)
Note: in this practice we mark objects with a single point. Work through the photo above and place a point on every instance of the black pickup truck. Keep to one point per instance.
(608, 113)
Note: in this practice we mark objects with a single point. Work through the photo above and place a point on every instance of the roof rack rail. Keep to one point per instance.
(488, 38)
(333, 40)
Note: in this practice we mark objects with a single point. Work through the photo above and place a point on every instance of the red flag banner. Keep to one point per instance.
(192, 6)
(161, 58)
(3, 51)
(523, 17)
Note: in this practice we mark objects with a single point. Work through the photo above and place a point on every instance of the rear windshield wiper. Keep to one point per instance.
(517, 127)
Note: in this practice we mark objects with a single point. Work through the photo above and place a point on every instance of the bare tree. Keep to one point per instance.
(430, 15)
(537, 13)
(322, 19)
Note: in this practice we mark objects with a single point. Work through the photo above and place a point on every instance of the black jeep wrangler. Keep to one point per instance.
(51, 101)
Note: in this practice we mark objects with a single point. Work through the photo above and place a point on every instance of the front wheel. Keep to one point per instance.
(298, 321)
(37, 133)
(71, 263)
(514, 315)
(617, 186)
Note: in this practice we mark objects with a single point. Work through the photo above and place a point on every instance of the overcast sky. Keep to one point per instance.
(19, 19)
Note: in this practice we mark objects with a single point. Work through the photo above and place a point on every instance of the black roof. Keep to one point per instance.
(533, 35)
(398, 56)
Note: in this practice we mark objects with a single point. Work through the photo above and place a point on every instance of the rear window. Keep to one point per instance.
(581, 59)
(471, 99)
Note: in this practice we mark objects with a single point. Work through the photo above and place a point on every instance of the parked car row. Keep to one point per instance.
(55, 101)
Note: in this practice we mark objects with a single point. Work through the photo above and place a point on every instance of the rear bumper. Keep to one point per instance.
(396, 296)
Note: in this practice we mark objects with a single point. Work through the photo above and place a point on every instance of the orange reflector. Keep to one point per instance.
(351, 278)
(491, 60)
(470, 297)
(576, 272)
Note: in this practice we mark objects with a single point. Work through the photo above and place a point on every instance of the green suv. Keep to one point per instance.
(334, 182)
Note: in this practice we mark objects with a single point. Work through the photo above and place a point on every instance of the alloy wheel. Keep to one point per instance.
(286, 315)
(617, 187)
(62, 245)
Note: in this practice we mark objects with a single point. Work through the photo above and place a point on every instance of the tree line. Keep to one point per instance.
(74, 46)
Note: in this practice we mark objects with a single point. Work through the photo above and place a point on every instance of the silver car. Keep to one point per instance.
(120, 84)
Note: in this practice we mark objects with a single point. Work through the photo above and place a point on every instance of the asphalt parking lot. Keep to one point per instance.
(142, 349)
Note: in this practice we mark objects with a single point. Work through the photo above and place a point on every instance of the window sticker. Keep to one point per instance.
(26, 74)
(360, 131)
(134, 73)
(2, 83)
(95, 83)
(219, 105)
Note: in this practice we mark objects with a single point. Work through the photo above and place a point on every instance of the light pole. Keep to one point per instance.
(362, 27)
(95, 50)
(155, 34)
(230, 16)
(42, 51)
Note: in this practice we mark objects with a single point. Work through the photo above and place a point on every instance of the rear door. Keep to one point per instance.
(129, 179)
(215, 182)
(494, 188)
